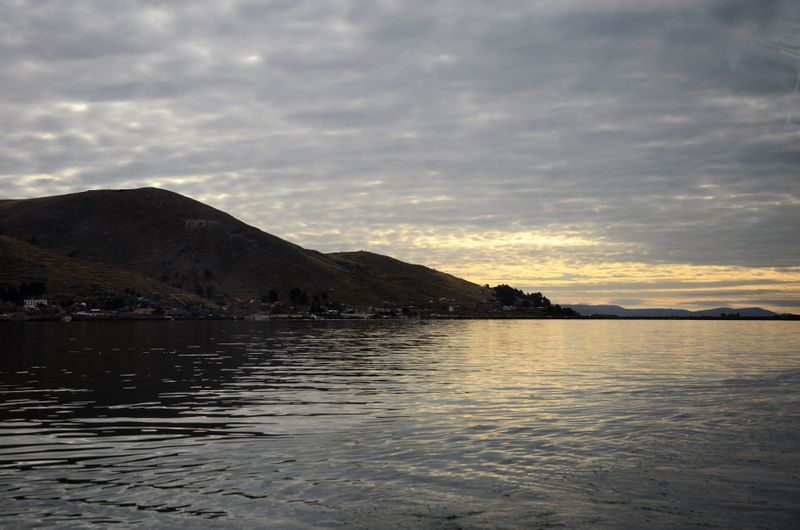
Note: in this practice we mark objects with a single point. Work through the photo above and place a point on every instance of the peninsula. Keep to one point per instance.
(151, 252)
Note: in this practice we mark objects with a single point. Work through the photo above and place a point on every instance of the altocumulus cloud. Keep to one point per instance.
(580, 144)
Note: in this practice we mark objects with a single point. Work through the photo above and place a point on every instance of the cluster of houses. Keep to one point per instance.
(155, 306)
(34, 303)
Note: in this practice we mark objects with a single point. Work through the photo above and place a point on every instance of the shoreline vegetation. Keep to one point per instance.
(117, 318)
(29, 301)
(502, 302)
(104, 316)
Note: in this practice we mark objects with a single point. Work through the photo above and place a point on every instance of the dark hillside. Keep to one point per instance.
(194, 247)
(61, 278)
(393, 279)
(171, 238)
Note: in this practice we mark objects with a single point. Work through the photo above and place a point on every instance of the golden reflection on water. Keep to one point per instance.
(485, 424)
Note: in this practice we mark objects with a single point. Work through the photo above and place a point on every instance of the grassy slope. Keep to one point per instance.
(396, 279)
(166, 236)
(69, 278)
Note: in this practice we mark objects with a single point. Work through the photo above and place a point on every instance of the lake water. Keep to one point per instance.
(433, 424)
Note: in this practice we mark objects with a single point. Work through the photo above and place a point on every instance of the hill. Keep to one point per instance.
(193, 247)
(392, 279)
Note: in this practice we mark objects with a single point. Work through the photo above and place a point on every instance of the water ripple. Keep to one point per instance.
(475, 424)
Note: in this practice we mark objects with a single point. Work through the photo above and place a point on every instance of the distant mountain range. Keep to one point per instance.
(152, 240)
(618, 311)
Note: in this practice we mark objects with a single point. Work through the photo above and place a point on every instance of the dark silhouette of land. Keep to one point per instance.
(722, 312)
(143, 241)
(149, 251)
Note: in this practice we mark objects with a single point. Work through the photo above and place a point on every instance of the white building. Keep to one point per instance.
(33, 303)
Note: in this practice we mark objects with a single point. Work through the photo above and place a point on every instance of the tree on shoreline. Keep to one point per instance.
(508, 296)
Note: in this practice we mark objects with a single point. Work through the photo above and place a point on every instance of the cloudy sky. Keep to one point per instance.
(602, 151)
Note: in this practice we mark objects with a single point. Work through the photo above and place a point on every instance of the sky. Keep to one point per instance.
(645, 154)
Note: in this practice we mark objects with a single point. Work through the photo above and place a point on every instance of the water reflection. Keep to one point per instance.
(430, 424)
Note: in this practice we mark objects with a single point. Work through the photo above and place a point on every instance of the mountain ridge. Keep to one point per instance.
(619, 311)
(191, 246)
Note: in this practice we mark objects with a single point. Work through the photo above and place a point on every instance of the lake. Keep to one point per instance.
(388, 424)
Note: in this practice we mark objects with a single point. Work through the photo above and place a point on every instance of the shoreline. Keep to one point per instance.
(307, 318)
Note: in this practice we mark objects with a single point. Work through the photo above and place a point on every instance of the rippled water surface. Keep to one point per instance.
(439, 424)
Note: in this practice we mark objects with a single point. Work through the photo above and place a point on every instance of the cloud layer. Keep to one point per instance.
(559, 138)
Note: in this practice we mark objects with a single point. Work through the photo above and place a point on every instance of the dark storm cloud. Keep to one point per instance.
(662, 129)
